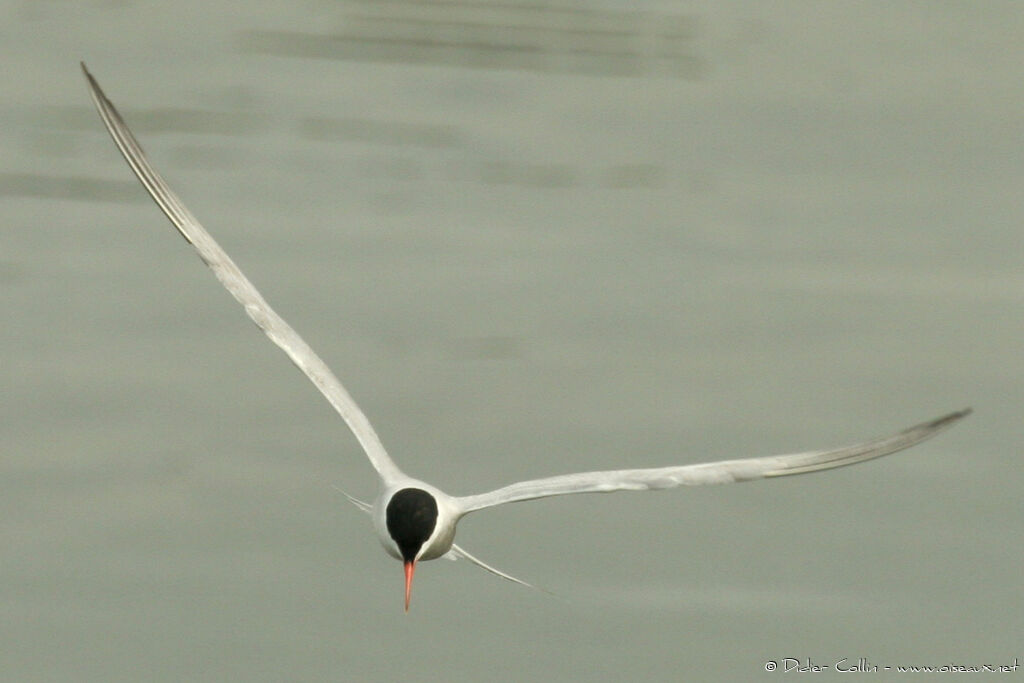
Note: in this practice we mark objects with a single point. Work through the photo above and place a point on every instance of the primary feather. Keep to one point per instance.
(722, 472)
(279, 332)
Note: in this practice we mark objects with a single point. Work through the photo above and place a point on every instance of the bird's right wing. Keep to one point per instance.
(723, 472)
(239, 286)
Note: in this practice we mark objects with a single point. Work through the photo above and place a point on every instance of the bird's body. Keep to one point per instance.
(401, 513)
(414, 520)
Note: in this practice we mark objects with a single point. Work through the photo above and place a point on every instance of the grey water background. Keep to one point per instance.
(531, 238)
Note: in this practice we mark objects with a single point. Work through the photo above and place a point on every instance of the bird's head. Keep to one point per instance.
(411, 518)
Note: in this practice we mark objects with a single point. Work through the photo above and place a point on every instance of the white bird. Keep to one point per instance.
(414, 520)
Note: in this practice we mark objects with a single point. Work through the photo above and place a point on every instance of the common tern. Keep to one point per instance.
(415, 521)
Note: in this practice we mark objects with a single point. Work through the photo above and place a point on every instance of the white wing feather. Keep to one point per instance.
(239, 286)
(459, 553)
(361, 504)
(723, 472)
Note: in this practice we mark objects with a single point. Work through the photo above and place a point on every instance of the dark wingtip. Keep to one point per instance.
(947, 420)
(958, 414)
(89, 77)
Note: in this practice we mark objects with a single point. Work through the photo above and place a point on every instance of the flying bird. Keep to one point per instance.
(415, 521)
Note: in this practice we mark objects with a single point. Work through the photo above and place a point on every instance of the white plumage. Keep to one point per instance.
(424, 529)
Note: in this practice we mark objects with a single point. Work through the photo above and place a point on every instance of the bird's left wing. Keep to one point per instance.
(723, 472)
(239, 286)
